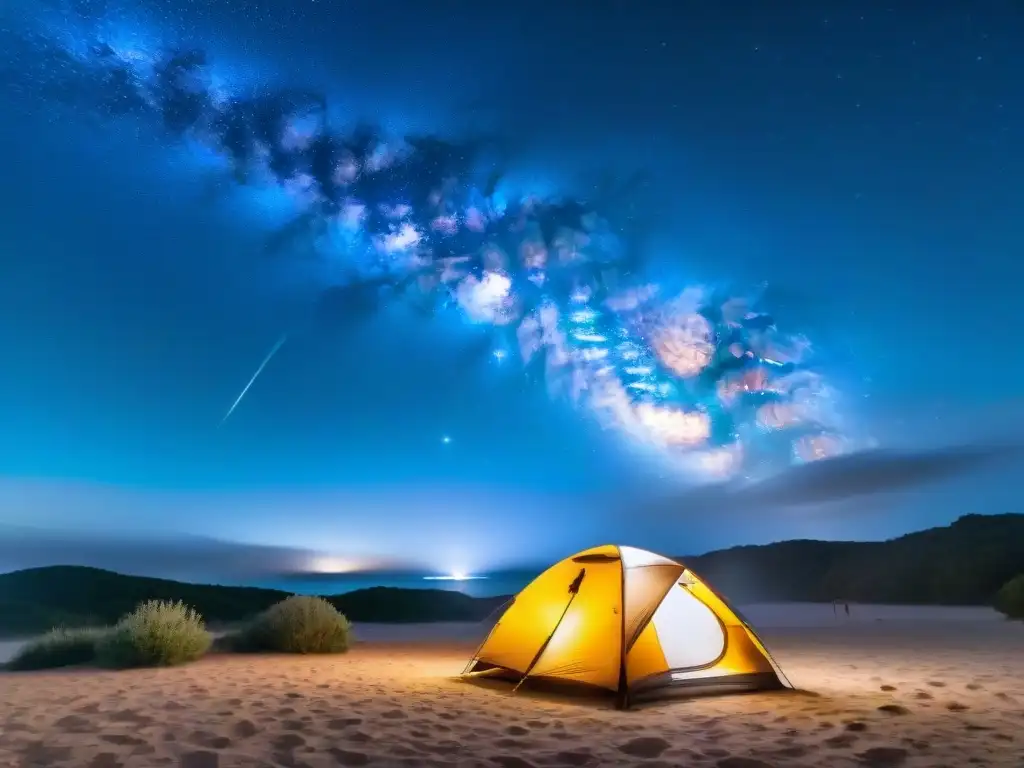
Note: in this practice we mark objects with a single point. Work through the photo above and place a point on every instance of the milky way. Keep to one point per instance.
(702, 378)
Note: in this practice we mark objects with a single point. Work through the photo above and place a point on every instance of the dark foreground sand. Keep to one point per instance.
(917, 693)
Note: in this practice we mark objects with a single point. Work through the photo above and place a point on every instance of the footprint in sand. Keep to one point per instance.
(129, 716)
(244, 729)
(200, 760)
(287, 742)
(515, 744)
(511, 761)
(894, 709)
(883, 757)
(644, 746)
(105, 760)
(38, 753)
(841, 741)
(76, 724)
(577, 757)
(121, 739)
(209, 740)
(742, 762)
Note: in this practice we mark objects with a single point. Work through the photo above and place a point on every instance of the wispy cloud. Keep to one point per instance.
(176, 556)
(842, 478)
(168, 556)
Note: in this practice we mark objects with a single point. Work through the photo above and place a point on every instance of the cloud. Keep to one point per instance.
(236, 534)
(843, 477)
(174, 556)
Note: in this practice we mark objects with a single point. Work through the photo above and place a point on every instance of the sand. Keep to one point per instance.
(938, 688)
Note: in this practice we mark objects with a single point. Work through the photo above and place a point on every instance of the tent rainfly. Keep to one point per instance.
(628, 621)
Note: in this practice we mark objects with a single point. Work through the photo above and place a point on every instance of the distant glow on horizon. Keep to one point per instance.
(331, 564)
(455, 576)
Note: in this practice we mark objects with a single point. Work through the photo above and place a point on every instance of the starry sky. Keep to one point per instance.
(862, 159)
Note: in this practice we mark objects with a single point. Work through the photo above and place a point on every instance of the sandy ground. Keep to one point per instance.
(917, 687)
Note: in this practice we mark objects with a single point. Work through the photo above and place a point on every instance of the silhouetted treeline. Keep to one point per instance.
(37, 599)
(965, 563)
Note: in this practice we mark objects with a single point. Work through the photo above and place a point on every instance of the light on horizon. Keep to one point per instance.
(331, 564)
(454, 576)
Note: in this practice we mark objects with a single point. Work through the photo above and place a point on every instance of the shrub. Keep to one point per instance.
(58, 648)
(1010, 599)
(158, 633)
(299, 624)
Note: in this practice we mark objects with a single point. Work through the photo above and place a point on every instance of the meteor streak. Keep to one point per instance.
(273, 351)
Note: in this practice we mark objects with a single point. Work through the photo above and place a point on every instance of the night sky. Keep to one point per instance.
(861, 160)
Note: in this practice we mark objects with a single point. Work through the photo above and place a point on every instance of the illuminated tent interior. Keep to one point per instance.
(628, 621)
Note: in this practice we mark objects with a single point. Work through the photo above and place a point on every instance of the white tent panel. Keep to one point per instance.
(689, 632)
(634, 558)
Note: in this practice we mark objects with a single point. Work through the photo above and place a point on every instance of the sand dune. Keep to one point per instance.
(885, 693)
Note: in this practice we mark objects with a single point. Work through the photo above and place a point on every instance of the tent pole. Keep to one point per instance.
(622, 698)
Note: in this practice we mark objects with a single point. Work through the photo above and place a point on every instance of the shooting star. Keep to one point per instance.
(273, 351)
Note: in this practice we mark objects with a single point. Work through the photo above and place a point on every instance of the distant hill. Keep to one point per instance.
(36, 599)
(961, 564)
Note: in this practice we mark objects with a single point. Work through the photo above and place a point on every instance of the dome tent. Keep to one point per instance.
(628, 621)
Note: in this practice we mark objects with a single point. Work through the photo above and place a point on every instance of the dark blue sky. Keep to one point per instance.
(862, 159)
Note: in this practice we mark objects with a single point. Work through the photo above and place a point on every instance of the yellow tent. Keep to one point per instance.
(629, 621)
